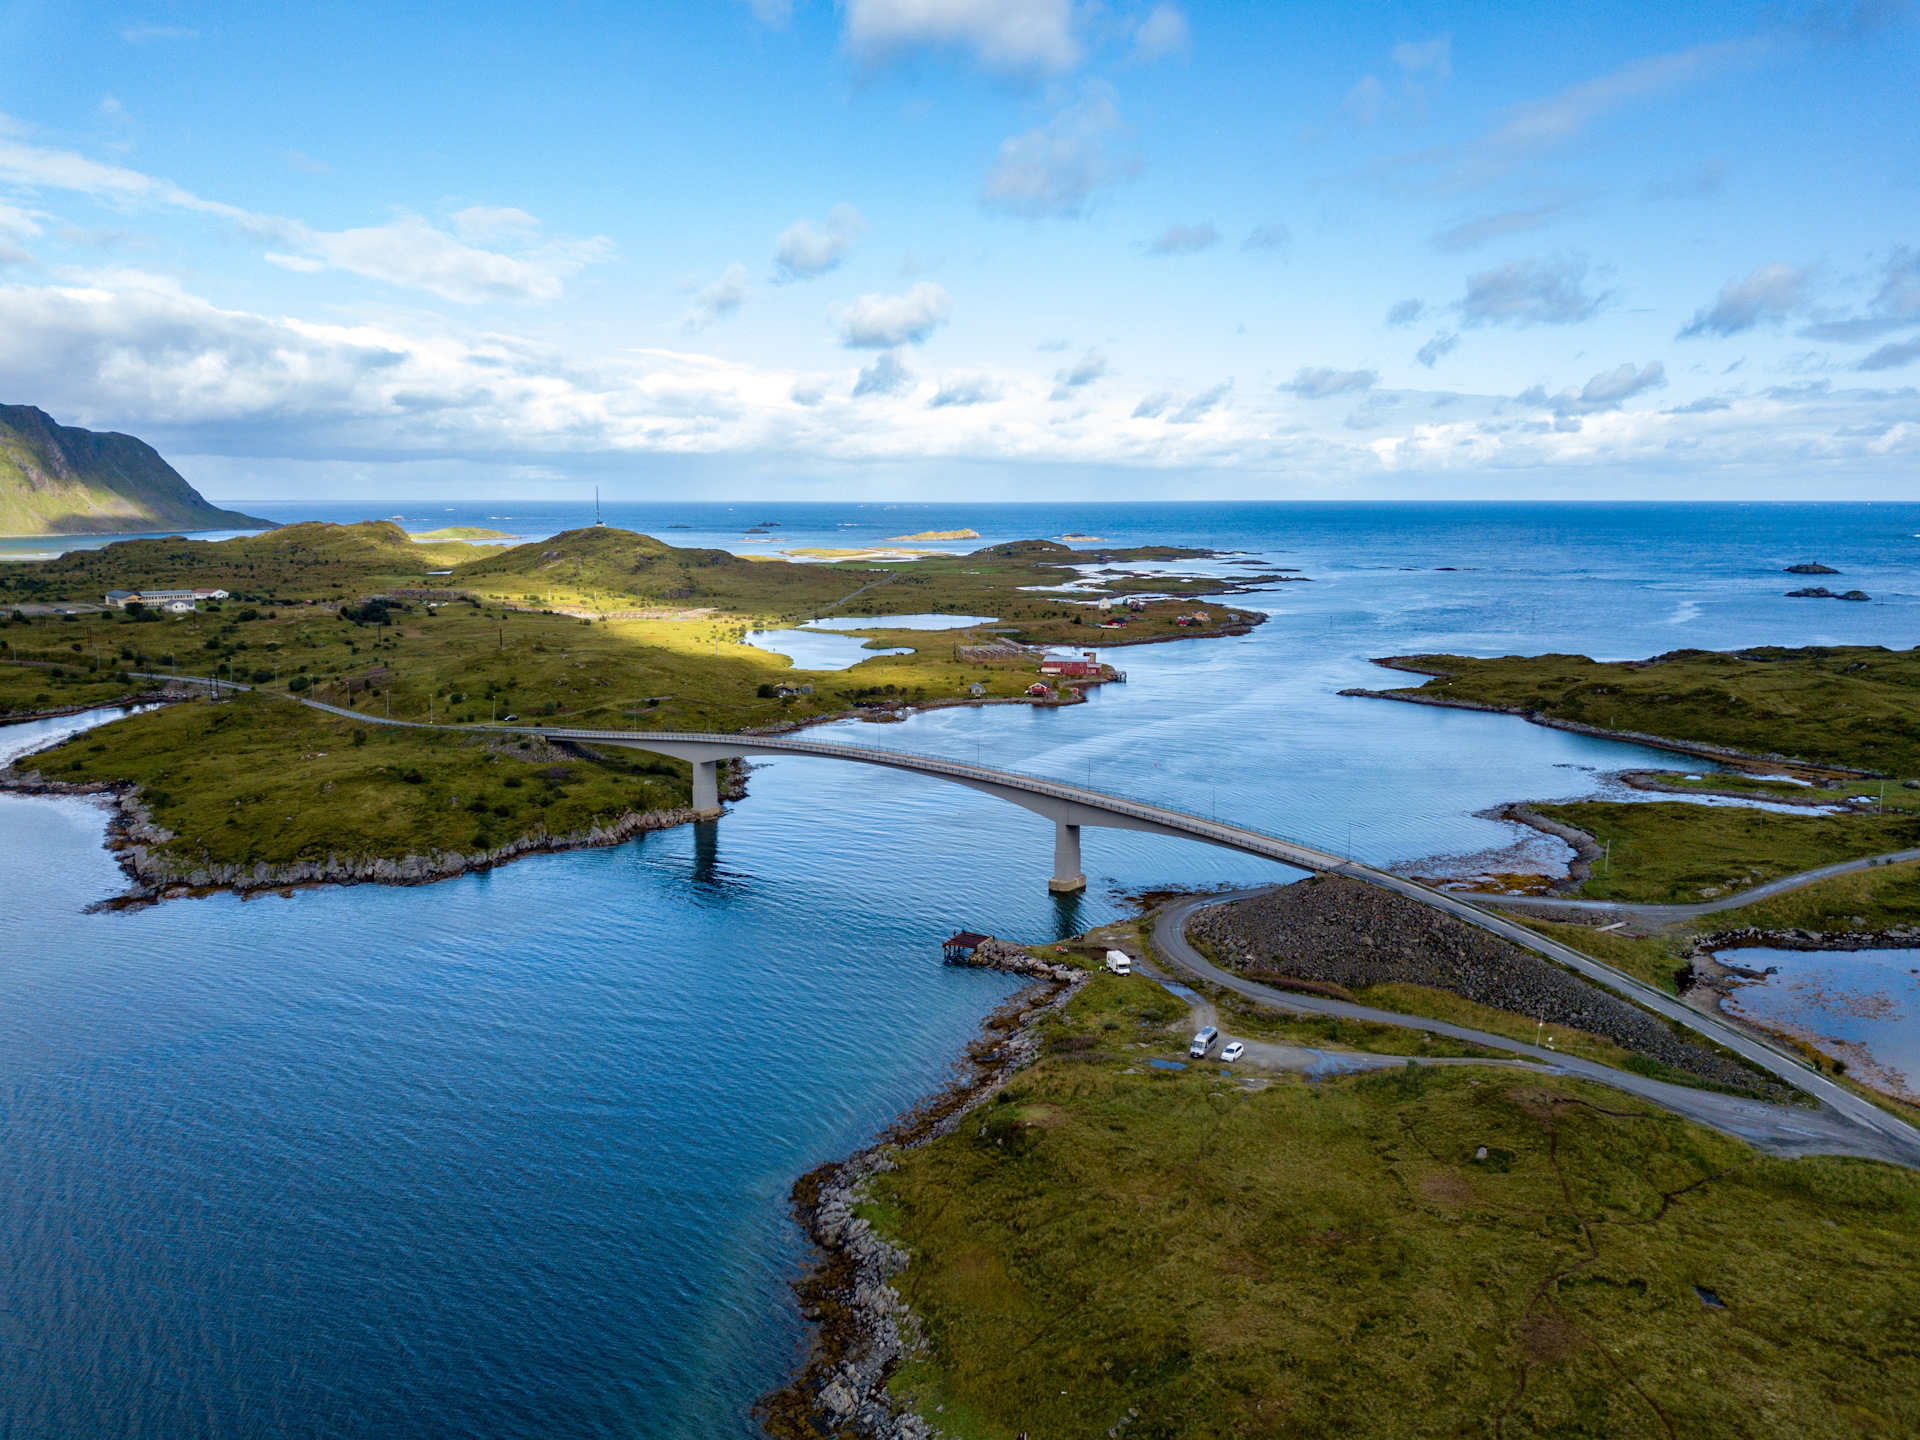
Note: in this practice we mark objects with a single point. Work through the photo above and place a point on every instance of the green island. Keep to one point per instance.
(597, 628)
(1855, 706)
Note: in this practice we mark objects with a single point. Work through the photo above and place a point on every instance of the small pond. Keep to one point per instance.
(817, 650)
(901, 622)
(1860, 1006)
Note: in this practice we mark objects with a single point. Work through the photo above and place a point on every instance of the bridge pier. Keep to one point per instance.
(1067, 879)
(706, 785)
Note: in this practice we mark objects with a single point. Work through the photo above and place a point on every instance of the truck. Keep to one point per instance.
(1119, 962)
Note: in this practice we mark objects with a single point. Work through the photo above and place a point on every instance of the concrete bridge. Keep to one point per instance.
(1070, 807)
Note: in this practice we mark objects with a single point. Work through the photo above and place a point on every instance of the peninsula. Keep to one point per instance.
(59, 480)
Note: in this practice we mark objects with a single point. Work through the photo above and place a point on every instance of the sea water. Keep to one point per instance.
(508, 1156)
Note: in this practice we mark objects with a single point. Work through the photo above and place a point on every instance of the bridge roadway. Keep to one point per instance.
(1072, 806)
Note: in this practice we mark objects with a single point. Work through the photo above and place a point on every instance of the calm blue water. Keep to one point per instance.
(1860, 1006)
(508, 1156)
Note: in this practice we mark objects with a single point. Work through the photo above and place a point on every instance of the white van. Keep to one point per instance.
(1202, 1043)
(1119, 962)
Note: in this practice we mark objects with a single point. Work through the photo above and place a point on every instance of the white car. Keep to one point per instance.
(1233, 1052)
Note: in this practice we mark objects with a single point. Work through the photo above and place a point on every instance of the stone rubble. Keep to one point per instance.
(1344, 932)
(848, 1397)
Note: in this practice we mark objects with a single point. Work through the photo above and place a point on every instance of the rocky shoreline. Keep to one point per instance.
(154, 876)
(865, 1329)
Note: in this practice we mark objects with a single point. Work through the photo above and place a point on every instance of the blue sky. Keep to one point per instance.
(972, 248)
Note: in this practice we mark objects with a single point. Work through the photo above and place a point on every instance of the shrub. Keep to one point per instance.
(359, 737)
(412, 776)
(513, 782)
(261, 677)
(765, 692)
(248, 614)
(298, 683)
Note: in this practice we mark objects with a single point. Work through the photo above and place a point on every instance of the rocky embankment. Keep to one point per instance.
(156, 873)
(866, 1329)
(1340, 932)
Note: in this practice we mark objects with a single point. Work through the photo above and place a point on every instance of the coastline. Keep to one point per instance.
(152, 878)
(1698, 748)
(863, 1329)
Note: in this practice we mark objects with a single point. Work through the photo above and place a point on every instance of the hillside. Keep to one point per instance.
(58, 480)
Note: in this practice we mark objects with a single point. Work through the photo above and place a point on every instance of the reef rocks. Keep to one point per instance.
(1820, 592)
(1342, 932)
(1812, 567)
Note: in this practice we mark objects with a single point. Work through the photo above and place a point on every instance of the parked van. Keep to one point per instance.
(1119, 962)
(1202, 1043)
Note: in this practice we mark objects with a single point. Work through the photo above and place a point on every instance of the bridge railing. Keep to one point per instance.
(1137, 806)
(1052, 786)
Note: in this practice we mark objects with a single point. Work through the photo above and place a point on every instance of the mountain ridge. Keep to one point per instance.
(61, 480)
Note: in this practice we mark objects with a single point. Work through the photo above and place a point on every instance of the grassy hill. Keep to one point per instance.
(58, 480)
(1849, 705)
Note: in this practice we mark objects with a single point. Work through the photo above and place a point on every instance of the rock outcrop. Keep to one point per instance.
(1342, 932)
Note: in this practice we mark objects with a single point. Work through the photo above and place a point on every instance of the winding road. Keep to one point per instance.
(1843, 1124)
(1664, 916)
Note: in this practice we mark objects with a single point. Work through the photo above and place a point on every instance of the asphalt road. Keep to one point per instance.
(1666, 915)
(1832, 1129)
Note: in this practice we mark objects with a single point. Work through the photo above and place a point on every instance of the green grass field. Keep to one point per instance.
(255, 778)
(1173, 1255)
(1680, 853)
(1855, 705)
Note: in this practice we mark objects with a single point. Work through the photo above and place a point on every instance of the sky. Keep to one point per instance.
(971, 249)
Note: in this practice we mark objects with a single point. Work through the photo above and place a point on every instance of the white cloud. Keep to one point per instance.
(1199, 405)
(306, 164)
(771, 12)
(1319, 383)
(1608, 390)
(484, 223)
(966, 390)
(802, 252)
(1364, 103)
(1164, 32)
(885, 376)
(1185, 239)
(1017, 36)
(1888, 357)
(1771, 292)
(405, 251)
(1472, 233)
(1051, 172)
(1088, 368)
(1895, 308)
(1530, 292)
(1405, 312)
(880, 322)
(1427, 58)
(1269, 240)
(1436, 349)
(717, 301)
(409, 251)
(133, 352)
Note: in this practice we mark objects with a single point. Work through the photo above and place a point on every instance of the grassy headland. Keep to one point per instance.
(1848, 705)
(1457, 1251)
(1681, 853)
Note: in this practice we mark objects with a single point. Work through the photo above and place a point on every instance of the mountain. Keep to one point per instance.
(57, 480)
